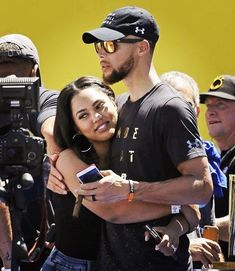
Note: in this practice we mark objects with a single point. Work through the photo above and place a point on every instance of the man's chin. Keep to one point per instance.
(109, 80)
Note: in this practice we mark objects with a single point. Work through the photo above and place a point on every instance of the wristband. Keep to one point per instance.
(175, 209)
(5, 269)
(131, 193)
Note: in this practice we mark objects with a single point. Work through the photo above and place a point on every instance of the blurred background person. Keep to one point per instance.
(220, 120)
(203, 250)
(19, 57)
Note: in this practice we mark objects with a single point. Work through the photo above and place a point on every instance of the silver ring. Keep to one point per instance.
(174, 248)
(93, 198)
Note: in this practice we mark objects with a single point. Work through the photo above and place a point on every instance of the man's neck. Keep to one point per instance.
(226, 143)
(140, 82)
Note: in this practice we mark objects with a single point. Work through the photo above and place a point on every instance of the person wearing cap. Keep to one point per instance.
(157, 149)
(204, 251)
(220, 103)
(19, 57)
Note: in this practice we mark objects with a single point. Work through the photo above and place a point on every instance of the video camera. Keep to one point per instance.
(19, 97)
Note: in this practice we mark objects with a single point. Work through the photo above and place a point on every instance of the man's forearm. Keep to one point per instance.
(183, 190)
(124, 212)
(47, 132)
(193, 187)
(6, 235)
(118, 212)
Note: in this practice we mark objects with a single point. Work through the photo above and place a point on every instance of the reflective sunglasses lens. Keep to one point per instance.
(109, 47)
(98, 46)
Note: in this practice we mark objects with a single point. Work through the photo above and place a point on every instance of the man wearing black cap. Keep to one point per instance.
(220, 119)
(19, 57)
(157, 143)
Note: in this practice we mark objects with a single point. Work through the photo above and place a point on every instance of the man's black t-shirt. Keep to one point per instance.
(154, 135)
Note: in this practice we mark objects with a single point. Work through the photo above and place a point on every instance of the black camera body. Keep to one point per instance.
(21, 153)
(17, 147)
(19, 97)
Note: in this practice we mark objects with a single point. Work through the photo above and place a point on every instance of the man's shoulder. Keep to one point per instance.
(121, 99)
(163, 96)
(167, 91)
(47, 91)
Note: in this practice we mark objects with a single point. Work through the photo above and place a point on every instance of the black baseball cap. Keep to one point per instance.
(223, 86)
(122, 22)
(26, 48)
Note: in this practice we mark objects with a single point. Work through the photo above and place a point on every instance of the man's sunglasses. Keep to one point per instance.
(110, 47)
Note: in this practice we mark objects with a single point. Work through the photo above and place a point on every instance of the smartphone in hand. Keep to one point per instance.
(153, 233)
(89, 174)
(211, 232)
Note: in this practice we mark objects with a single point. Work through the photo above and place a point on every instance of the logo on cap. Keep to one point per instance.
(137, 30)
(217, 83)
(109, 19)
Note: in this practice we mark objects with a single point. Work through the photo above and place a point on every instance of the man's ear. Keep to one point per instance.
(144, 47)
(197, 110)
(35, 70)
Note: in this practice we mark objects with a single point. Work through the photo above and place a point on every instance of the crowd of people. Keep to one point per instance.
(147, 147)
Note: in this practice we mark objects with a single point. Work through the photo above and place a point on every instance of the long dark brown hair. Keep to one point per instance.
(65, 128)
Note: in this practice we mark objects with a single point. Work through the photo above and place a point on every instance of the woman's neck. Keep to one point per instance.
(102, 150)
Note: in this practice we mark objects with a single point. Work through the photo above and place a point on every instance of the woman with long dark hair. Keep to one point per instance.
(85, 123)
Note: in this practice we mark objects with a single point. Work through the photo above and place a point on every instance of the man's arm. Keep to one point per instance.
(119, 212)
(116, 212)
(55, 180)
(6, 235)
(193, 187)
(47, 132)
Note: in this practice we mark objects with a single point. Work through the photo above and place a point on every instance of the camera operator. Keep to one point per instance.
(19, 57)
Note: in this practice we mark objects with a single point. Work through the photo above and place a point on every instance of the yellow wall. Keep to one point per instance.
(196, 37)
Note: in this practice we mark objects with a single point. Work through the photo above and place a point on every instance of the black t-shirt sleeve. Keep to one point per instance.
(48, 101)
(180, 131)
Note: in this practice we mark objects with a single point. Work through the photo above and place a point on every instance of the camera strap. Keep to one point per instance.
(228, 161)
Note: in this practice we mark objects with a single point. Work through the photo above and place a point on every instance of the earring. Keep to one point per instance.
(82, 142)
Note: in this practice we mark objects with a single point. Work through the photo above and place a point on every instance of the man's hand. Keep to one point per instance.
(169, 240)
(204, 250)
(223, 224)
(111, 188)
(55, 180)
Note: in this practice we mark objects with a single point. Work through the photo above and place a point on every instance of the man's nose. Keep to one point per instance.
(210, 111)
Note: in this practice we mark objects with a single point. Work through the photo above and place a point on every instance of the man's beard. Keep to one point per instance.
(118, 75)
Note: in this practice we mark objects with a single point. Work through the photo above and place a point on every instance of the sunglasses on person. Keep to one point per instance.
(111, 46)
